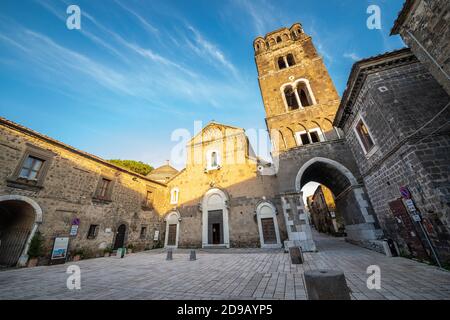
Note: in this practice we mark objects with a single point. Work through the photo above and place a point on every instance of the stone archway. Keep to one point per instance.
(215, 227)
(350, 196)
(172, 230)
(20, 217)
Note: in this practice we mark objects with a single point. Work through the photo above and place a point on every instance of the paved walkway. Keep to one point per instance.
(227, 274)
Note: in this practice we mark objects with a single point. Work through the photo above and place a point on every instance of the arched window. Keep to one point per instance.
(303, 94)
(278, 39)
(214, 159)
(281, 63)
(290, 60)
(291, 100)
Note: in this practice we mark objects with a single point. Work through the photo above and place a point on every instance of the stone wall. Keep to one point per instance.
(395, 102)
(424, 26)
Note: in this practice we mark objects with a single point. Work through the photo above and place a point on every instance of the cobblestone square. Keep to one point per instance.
(227, 274)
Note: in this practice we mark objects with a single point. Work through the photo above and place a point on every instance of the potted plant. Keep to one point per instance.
(130, 248)
(78, 254)
(107, 251)
(35, 250)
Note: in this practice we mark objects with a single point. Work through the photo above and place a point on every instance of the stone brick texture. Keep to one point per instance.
(405, 157)
(68, 191)
(429, 25)
(308, 65)
(238, 177)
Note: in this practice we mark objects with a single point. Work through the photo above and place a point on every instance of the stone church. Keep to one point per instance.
(366, 148)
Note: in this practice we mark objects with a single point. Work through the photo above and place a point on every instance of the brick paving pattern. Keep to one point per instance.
(227, 274)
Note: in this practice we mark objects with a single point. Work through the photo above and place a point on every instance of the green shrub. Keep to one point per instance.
(36, 248)
(135, 166)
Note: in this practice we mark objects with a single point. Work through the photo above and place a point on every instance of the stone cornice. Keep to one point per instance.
(359, 73)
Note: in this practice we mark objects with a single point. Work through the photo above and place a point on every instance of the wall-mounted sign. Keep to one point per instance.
(108, 230)
(410, 205)
(156, 236)
(74, 230)
(60, 248)
(404, 191)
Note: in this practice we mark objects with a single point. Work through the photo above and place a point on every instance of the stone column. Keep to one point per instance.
(297, 222)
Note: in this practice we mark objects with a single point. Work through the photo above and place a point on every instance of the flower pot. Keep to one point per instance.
(33, 262)
(107, 254)
(77, 258)
(129, 250)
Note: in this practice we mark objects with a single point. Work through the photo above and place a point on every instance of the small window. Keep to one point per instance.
(364, 136)
(314, 137)
(31, 168)
(278, 39)
(290, 60)
(291, 100)
(103, 190)
(310, 136)
(93, 230)
(143, 233)
(304, 138)
(174, 196)
(281, 63)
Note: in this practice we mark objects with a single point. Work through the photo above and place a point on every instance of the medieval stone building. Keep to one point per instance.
(382, 151)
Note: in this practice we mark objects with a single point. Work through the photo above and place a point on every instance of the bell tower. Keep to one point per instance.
(299, 97)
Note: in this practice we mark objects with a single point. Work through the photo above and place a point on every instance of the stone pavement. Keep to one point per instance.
(227, 274)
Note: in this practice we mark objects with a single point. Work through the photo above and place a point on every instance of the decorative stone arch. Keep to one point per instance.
(216, 200)
(23, 259)
(266, 210)
(360, 224)
(294, 86)
(116, 232)
(334, 163)
(328, 124)
(172, 218)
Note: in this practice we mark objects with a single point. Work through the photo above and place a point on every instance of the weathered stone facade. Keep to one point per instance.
(404, 109)
(424, 26)
(68, 192)
(236, 175)
(306, 72)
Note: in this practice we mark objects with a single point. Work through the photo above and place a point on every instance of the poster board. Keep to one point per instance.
(59, 251)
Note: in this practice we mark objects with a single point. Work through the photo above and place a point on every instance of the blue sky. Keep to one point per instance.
(137, 70)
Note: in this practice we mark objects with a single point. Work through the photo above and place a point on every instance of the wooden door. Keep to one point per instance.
(268, 230)
(407, 229)
(172, 236)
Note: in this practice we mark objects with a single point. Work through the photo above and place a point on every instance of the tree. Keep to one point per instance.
(135, 166)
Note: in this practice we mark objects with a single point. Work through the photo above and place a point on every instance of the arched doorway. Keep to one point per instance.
(350, 198)
(120, 237)
(215, 228)
(172, 230)
(19, 220)
(269, 234)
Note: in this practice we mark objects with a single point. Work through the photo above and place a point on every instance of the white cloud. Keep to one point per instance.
(351, 55)
(206, 48)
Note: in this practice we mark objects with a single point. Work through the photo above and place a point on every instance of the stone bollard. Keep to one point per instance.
(169, 255)
(326, 285)
(192, 257)
(296, 255)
